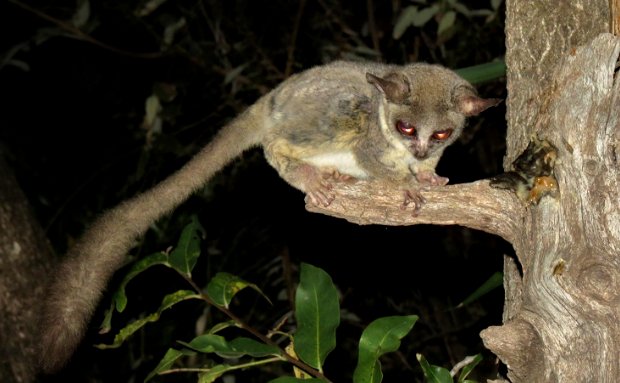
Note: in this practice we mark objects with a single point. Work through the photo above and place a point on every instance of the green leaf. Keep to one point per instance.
(289, 379)
(183, 257)
(214, 373)
(168, 301)
(483, 72)
(152, 108)
(404, 21)
(434, 374)
(149, 7)
(422, 17)
(496, 280)
(119, 298)
(446, 22)
(364, 50)
(461, 8)
(223, 287)
(238, 347)
(381, 336)
(221, 326)
(106, 323)
(171, 31)
(208, 343)
(469, 368)
(317, 310)
(234, 73)
(166, 362)
(496, 3)
(482, 12)
(253, 348)
(82, 14)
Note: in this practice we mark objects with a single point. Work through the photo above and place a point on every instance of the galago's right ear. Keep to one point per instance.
(395, 87)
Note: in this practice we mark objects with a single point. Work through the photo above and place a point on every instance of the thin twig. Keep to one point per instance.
(344, 29)
(287, 271)
(79, 34)
(290, 60)
(239, 367)
(462, 364)
(372, 26)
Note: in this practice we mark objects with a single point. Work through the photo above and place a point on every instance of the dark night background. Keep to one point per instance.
(71, 127)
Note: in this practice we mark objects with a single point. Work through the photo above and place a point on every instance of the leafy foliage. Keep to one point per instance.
(445, 14)
(317, 312)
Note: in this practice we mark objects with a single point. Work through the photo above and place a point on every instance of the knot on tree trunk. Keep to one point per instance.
(510, 341)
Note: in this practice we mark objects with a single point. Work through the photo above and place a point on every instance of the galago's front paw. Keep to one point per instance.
(429, 177)
(339, 177)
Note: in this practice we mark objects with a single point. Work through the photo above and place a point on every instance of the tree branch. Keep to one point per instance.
(475, 205)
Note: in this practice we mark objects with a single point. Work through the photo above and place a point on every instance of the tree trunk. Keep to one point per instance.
(562, 313)
(566, 326)
(560, 321)
(25, 262)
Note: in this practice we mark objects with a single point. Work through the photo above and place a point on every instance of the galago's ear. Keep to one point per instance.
(474, 105)
(394, 86)
(468, 102)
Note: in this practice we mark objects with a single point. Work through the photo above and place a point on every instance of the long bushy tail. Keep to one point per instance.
(84, 273)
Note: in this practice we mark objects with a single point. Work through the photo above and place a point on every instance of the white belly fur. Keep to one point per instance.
(344, 162)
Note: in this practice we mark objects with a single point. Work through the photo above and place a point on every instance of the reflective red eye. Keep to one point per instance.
(405, 128)
(441, 135)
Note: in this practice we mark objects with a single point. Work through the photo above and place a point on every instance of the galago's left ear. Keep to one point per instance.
(467, 101)
(474, 105)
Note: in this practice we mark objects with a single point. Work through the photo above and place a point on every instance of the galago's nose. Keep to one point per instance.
(420, 153)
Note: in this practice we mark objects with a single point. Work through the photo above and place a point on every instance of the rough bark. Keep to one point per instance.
(568, 323)
(580, 93)
(538, 35)
(475, 205)
(25, 261)
(562, 315)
